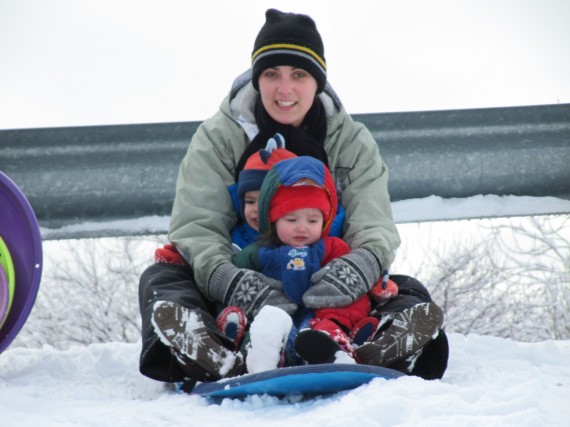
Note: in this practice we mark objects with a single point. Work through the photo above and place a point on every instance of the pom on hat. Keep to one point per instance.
(289, 39)
(256, 167)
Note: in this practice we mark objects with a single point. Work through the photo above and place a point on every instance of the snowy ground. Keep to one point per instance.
(490, 382)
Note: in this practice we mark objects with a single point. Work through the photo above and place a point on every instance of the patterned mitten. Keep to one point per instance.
(247, 289)
(343, 280)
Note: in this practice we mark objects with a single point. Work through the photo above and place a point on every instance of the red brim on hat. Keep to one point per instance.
(289, 199)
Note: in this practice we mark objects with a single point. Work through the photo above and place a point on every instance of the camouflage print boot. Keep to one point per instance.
(401, 334)
(196, 343)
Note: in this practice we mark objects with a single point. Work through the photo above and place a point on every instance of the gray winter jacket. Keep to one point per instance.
(203, 214)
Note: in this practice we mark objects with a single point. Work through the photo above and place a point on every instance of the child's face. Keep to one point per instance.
(301, 227)
(250, 209)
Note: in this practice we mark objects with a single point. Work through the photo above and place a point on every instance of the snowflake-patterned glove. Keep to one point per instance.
(343, 280)
(247, 289)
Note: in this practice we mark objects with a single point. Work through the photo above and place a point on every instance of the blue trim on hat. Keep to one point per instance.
(250, 180)
(292, 170)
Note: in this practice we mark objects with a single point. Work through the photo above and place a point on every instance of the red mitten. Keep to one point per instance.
(169, 254)
(232, 323)
(383, 290)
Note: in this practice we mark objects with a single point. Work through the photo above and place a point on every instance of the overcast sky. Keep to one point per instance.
(85, 62)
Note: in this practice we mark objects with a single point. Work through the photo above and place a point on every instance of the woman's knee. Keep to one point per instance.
(410, 286)
(410, 293)
(170, 282)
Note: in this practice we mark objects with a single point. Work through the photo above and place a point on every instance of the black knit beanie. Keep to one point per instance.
(289, 39)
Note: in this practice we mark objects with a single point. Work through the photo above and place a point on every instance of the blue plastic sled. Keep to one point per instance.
(307, 380)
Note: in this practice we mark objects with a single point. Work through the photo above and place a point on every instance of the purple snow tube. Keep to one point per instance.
(20, 231)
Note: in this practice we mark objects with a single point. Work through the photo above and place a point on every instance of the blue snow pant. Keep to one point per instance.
(432, 362)
(175, 283)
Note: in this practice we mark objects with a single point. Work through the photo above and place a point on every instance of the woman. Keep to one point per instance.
(285, 91)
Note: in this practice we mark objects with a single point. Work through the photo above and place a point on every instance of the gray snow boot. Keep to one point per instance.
(401, 334)
(186, 332)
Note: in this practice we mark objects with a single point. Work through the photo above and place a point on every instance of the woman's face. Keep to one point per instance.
(287, 93)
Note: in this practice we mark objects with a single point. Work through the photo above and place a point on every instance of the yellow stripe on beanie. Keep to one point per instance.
(292, 47)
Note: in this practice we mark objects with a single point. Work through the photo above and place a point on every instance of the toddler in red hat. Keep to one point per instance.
(297, 204)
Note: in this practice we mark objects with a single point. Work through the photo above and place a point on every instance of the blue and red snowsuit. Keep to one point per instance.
(294, 266)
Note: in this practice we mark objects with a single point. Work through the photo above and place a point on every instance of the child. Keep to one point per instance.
(245, 191)
(297, 205)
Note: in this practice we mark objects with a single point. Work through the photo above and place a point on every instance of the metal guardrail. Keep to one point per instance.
(101, 173)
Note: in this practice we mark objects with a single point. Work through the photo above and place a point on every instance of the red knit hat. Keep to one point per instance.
(264, 160)
(300, 195)
(257, 165)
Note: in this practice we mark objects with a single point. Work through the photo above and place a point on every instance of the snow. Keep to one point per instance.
(481, 206)
(268, 332)
(489, 382)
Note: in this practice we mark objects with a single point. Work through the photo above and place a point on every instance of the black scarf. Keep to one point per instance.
(306, 140)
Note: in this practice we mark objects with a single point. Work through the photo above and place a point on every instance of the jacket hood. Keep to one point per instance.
(287, 173)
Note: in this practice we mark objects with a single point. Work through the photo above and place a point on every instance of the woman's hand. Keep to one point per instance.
(343, 280)
(247, 289)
